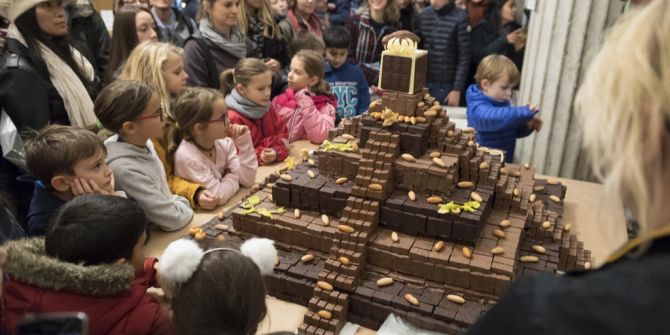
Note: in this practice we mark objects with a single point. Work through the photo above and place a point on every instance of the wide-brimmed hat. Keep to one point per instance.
(12, 9)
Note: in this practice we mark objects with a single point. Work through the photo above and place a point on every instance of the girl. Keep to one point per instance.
(279, 9)
(247, 91)
(258, 25)
(623, 105)
(132, 26)
(374, 19)
(208, 145)
(301, 17)
(221, 46)
(307, 107)
(214, 289)
(160, 66)
(134, 112)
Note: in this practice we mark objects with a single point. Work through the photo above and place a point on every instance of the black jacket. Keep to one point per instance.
(486, 40)
(26, 94)
(89, 34)
(626, 296)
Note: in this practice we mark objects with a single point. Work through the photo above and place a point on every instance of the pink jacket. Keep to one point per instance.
(223, 177)
(306, 116)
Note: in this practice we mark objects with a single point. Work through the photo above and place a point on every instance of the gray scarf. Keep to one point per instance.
(244, 106)
(235, 45)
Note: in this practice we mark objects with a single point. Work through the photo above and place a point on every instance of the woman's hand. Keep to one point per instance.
(272, 64)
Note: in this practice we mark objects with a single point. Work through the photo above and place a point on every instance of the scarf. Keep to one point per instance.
(78, 103)
(244, 106)
(476, 11)
(255, 34)
(235, 45)
(299, 24)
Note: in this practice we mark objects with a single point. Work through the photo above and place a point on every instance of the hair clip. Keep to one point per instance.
(182, 257)
(99, 125)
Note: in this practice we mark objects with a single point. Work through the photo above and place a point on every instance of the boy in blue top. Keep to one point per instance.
(497, 123)
(347, 81)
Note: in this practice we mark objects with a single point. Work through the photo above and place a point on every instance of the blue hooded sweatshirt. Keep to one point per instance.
(497, 123)
(349, 85)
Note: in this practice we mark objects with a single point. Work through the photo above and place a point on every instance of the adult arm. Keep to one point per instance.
(195, 64)
(15, 85)
(484, 42)
(464, 55)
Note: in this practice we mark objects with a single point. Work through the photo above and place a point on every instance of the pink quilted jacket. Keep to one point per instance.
(305, 115)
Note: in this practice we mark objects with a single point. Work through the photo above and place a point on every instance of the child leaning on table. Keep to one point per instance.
(207, 149)
(91, 260)
(133, 111)
(247, 90)
(489, 110)
(216, 290)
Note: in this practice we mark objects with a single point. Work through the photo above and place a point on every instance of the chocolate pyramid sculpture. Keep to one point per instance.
(401, 212)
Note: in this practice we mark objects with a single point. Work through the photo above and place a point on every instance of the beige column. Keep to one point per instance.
(563, 36)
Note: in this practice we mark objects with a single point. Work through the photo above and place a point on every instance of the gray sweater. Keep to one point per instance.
(139, 173)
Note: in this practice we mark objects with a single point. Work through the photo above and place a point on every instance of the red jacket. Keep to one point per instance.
(113, 297)
(266, 132)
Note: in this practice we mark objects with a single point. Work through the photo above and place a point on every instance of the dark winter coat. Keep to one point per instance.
(185, 28)
(486, 40)
(89, 34)
(204, 61)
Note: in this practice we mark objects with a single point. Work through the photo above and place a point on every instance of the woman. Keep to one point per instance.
(257, 24)
(221, 46)
(623, 104)
(498, 33)
(301, 17)
(374, 20)
(132, 26)
(43, 79)
(175, 27)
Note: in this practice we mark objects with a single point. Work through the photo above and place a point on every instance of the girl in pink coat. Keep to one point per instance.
(307, 107)
(207, 149)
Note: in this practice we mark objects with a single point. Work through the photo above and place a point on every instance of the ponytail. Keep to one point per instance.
(322, 87)
(227, 82)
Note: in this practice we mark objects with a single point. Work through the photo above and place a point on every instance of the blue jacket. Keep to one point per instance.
(43, 206)
(498, 124)
(349, 85)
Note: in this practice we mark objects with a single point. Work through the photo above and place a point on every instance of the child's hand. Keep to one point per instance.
(81, 186)
(535, 123)
(453, 99)
(268, 156)
(206, 200)
(235, 130)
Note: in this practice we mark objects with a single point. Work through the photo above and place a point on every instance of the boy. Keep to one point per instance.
(443, 30)
(498, 124)
(67, 162)
(92, 260)
(346, 80)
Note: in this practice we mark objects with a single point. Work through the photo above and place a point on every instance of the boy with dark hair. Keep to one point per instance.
(67, 162)
(346, 80)
(92, 260)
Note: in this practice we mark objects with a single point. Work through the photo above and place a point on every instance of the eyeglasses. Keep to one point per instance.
(223, 118)
(160, 115)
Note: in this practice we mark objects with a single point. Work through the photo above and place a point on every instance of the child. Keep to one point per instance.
(307, 107)
(247, 91)
(347, 80)
(134, 112)
(92, 260)
(67, 162)
(207, 149)
(489, 111)
(161, 66)
(443, 29)
(279, 9)
(217, 291)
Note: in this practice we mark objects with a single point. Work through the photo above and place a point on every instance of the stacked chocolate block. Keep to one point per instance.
(401, 212)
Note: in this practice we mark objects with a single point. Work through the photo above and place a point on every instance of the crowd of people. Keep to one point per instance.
(104, 136)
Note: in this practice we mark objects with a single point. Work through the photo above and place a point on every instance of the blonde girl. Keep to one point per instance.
(207, 149)
(307, 107)
(247, 91)
(624, 106)
(161, 66)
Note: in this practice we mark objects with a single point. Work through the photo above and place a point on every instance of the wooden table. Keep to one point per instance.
(584, 208)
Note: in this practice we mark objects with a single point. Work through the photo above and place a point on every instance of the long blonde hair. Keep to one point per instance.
(270, 27)
(145, 64)
(624, 104)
